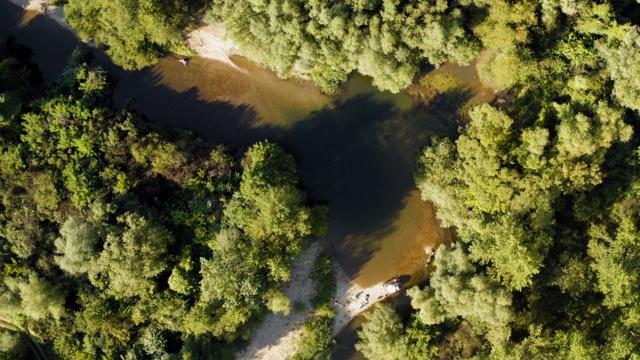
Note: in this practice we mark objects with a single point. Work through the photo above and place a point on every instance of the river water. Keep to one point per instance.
(355, 150)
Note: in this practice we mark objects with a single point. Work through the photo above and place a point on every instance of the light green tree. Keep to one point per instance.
(131, 31)
(382, 335)
(616, 262)
(510, 66)
(270, 210)
(507, 23)
(132, 259)
(622, 57)
(77, 246)
(33, 297)
(458, 290)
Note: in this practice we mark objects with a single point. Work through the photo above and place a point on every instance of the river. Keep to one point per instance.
(355, 151)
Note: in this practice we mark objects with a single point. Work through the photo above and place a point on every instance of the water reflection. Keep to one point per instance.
(27, 17)
(50, 43)
(359, 157)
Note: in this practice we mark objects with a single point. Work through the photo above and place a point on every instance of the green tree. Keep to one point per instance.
(277, 301)
(382, 335)
(457, 290)
(270, 210)
(33, 297)
(623, 57)
(422, 340)
(506, 23)
(386, 40)
(510, 66)
(77, 245)
(133, 258)
(316, 340)
(616, 262)
(131, 31)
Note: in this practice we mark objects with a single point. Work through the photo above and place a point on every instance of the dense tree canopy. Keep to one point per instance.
(123, 239)
(541, 187)
(133, 32)
(456, 289)
(389, 40)
(326, 41)
(119, 239)
(623, 57)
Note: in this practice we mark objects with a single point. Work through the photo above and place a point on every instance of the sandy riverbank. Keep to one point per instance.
(211, 42)
(54, 12)
(208, 41)
(278, 335)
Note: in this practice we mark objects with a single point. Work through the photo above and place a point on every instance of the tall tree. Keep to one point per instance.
(623, 57)
(133, 258)
(382, 335)
(77, 246)
(457, 289)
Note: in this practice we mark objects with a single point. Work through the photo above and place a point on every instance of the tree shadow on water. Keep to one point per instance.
(50, 43)
(451, 107)
(219, 122)
(358, 156)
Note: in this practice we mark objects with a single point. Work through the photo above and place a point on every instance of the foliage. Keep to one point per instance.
(132, 32)
(509, 67)
(131, 260)
(382, 336)
(77, 246)
(32, 297)
(327, 41)
(277, 301)
(456, 289)
(325, 282)
(12, 346)
(121, 239)
(316, 341)
(623, 57)
(541, 187)
(506, 23)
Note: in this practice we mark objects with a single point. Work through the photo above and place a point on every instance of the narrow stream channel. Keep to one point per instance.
(354, 151)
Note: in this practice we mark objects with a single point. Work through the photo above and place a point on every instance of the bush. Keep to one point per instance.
(325, 282)
(316, 341)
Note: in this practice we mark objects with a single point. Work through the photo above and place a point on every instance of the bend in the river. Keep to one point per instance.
(355, 151)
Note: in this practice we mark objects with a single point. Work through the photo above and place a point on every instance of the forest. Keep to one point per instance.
(123, 239)
(541, 186)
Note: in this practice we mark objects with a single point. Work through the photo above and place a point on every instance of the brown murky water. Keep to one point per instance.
(277, 102)
(355, 150)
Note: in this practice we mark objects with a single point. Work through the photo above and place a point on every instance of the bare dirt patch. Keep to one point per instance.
(277, 337)
(211, 42)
